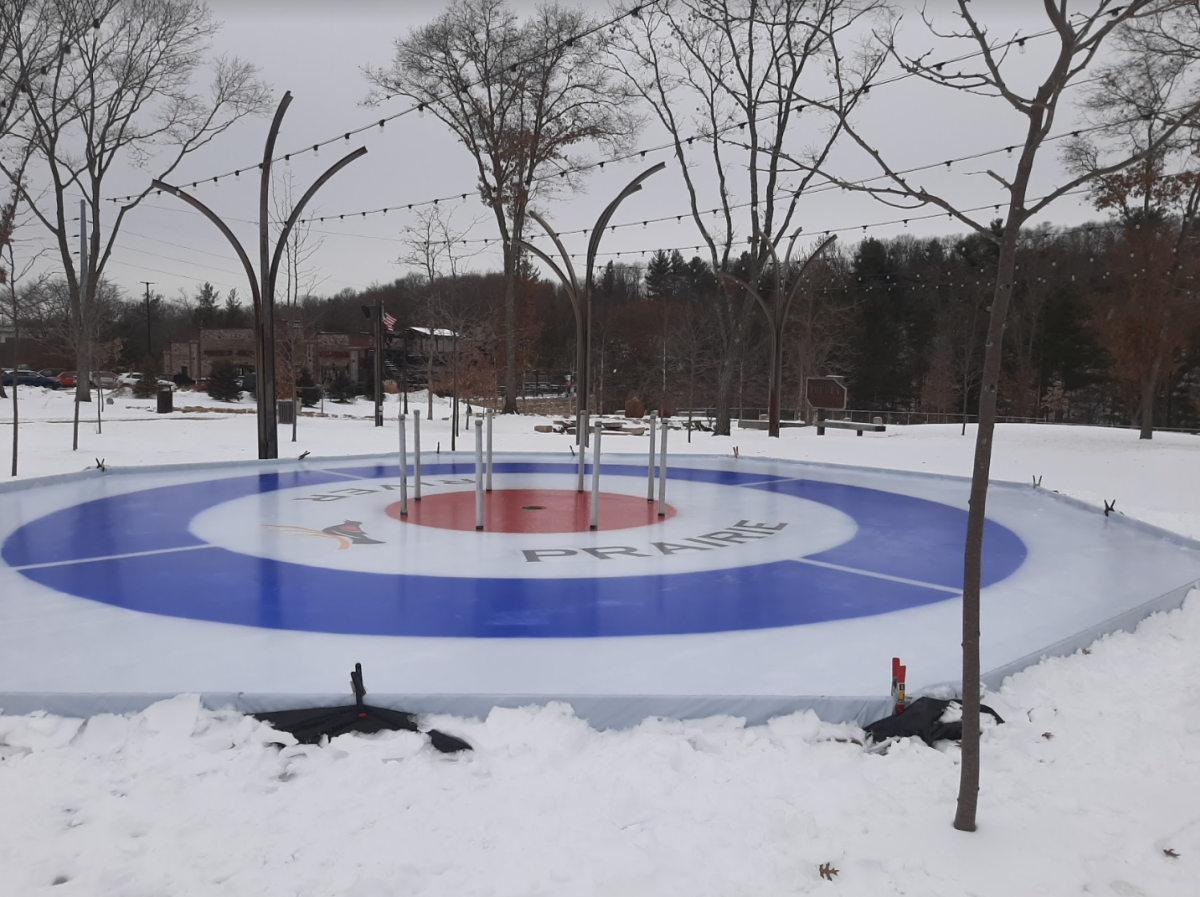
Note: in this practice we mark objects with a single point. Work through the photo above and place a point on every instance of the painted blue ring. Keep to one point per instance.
(125, 551)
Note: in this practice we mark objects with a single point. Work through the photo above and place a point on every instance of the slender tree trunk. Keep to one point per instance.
(968, 794)
(966, 392)
(510, 331)
(1147, 411)
(1150, 383)
(16, 355)
(776, 385)
(724, 397)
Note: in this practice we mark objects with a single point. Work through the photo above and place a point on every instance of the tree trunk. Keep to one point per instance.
(776, 386)
(725, 371)
(1150, 383)
(1147, 413)
(510, 331)
(16, 355)
(968, 793)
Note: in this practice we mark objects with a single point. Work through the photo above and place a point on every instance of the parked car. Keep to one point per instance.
(132, 378)
(66, 378)
(30, 378)
(50, 372)
(105, 380)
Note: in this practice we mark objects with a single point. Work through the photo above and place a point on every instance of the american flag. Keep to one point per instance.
(388, 321)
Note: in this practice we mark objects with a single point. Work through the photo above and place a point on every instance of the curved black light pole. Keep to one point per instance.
(262, 287)
(777, 313)
(581, 296)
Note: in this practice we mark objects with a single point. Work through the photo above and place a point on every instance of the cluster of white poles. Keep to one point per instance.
(483, 468)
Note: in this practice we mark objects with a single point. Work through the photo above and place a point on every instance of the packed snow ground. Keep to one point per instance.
(1086, 787)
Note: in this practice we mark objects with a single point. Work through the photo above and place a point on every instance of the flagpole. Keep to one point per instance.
(379, 361)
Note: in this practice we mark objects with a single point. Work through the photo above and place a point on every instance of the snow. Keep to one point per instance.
(1089, 782)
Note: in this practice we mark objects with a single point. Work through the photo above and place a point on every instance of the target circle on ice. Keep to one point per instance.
(326, 549)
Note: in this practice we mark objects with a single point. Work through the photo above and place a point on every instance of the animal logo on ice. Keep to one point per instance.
(346, 533)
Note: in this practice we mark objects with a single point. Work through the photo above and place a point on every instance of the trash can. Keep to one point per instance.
(166, 400)
(286, 412)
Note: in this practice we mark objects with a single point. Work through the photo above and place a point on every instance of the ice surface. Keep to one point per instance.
(1085, 788)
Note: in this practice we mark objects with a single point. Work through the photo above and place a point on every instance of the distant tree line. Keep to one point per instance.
(1103, 329)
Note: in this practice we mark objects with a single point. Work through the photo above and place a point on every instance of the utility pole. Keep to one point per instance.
(379, 360)
(404, 364)
(149, 353)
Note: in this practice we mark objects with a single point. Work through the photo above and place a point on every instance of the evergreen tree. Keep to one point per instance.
(222, 382)
(206, 314)
(343, 389)
(667, 276)
(147, 387)
(233, 315)
(658, 276)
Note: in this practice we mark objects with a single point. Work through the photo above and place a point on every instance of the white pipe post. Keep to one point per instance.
(416, 455)
(650, 466)
(581, 430)
(662, 474)
(403, 471)
(489, 449)
(596, 480)
(478, 474)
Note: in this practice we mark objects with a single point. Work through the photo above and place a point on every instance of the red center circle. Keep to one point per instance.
(531, 511)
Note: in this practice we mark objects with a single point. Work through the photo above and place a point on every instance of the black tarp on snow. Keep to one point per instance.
(922, 719)
(310, 725)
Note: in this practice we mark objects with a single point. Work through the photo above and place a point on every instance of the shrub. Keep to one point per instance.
(343, 389)
(223, 382)
(147, 387)
(307, 389)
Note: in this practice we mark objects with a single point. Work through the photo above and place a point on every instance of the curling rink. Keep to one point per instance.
(757, 586)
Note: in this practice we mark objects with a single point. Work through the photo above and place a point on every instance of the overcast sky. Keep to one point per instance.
(316, 50)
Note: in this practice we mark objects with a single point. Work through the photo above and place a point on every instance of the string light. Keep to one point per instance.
(819, 189)
(420, 107)
(639, 153)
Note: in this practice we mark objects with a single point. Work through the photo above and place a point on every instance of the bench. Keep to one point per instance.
(849, 425)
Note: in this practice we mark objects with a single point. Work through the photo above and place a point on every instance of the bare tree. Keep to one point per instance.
(1145, 313)
(48, 319)
(300, 279)
(818, 324)
(1078, 37)
(521, 97)
(123, 96)
(1134, 100)
(435, 247)
(35, 37)
(15, 271)
(693, 348)
(451, 309)
(722, 77)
